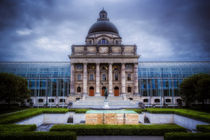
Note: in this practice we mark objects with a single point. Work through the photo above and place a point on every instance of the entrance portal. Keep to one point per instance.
(103, 91)
(91, 91)
(116, 91)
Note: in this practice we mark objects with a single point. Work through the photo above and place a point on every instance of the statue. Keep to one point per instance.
(106, 94)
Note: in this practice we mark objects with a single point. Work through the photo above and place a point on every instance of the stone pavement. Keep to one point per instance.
(120, 138)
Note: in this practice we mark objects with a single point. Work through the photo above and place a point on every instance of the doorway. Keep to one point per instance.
(103, 91)
(116, 91)
(91, 91)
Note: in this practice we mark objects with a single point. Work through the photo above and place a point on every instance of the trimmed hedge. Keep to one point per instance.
(78, 110)
(187, 136)
(21, 115)
(141, 130)
(38, 136)
(17, 128)
(203, 128)
(203, 116)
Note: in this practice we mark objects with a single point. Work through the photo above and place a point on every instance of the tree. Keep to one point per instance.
(195, 88)
(13, 89)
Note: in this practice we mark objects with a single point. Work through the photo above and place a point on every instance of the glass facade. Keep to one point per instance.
(155, 78)
(44, 78)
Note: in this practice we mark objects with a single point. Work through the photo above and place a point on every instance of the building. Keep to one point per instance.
(103, 63)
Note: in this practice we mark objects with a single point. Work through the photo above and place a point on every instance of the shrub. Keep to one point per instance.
(21, 115)
(37, 136)
(17, 128)
(203, 128)
(120, 129)
(187, 136)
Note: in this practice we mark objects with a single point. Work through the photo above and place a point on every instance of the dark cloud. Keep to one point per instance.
(169, 30)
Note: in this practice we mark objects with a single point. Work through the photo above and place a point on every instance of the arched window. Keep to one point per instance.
(103, 42)
(78, 89)
(129, 89)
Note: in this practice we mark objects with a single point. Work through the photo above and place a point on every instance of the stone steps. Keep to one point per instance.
(98, 102)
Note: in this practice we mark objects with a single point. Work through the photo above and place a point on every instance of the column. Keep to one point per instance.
(123, 78)
(97, 79)
(110, 80)
(72, 80)
(85, 79)
(135, 79)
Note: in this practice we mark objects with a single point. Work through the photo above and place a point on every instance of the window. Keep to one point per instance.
(129, 89)
(145, 100)
(157, 100)
(104, 77)
(129, 77)
(78, 89)
(89, 42)
(79, 77)
(117, 42)
(40, 100)
(103, 41)
(116, 76)
(51, 100)
(91, 78)
(79, 66)
(62, 100)
(168, 100)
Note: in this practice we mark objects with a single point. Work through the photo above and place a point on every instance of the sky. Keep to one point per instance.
(163, 30)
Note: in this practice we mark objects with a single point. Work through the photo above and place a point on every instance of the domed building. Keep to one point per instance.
(104, 64)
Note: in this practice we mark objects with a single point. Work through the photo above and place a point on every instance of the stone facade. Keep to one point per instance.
(104, 63)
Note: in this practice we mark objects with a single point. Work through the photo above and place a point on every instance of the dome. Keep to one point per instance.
(103, 24)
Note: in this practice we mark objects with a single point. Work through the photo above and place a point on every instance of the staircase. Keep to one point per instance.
(97, 102)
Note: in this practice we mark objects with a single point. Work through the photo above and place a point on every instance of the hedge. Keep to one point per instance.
(38, 136)
(203, 128)
(17, 128)
(198, 115)
(78, 110)
(141, 130)
(187, 136)
(21, 115)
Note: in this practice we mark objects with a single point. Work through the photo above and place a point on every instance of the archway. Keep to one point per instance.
(103, 91)
(91, 91)
(116, 91)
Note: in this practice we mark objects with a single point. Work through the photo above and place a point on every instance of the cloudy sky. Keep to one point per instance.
(44, 30)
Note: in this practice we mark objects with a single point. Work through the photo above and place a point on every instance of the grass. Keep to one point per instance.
(186, 136)
(203, 116)
(17, 128)
(21, 115)
(37, 136)
(142, 130)
(203, 128)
